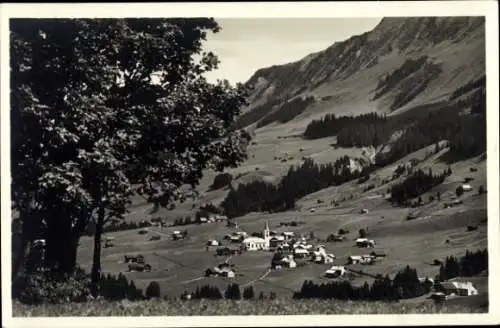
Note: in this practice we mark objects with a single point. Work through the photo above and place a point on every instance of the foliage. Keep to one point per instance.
(362, 233)
(153, 290)
(459, 191)
(260, 196)
(248, 293)
(118, 287)
(182, 222)
(221, 180)
(361, 130)
(404, 285)
(233, 292)
(279, 306)
(108, 105)
(48, 287)
(415, 185)
(207, 292)
(471, 264)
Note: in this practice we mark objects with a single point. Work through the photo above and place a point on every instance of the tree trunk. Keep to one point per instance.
(96, 264)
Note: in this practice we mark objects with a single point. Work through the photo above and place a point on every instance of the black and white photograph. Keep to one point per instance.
(208, 161)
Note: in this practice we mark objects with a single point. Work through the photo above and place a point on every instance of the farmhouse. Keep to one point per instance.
(276, 241)
(353, 259)
(280, 261)
(256, 243)
(363, 242)
(225, 270)
(212, 242)
(288, 235)
(202, 220)
(300, 252)
(322, 257)
(467, 187)
(364, 211)
(335, 272)
(459, 288)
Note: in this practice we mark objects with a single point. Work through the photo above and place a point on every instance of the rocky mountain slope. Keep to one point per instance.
(401, 64)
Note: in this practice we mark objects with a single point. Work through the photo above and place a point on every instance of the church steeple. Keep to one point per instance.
(267, 233)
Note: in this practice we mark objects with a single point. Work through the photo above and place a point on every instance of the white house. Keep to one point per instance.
(256, 243)
(300, 252)
(364, 211)
(459, 288)
(364, 242)
(323, 258)
(224, 270)
(203, 220)
(353, 259)
(335, 271)
(212, 242)
(286, 261)
(467, 187)
(288, 234)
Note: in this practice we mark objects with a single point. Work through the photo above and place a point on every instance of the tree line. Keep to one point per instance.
(404, 285)
(471, 264)
(465, 133)
(331, 125)
(261, 196)
(416, 184)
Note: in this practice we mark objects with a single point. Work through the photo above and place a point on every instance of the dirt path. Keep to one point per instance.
(260, 278)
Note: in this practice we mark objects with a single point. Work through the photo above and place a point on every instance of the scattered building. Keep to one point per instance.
(459, 288)
(364, 242)
(213, 242)
(257, 243)
(467, 187)
(364, 211)
(335, 272)
(283, 261)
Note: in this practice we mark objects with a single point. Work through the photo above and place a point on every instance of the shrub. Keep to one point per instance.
(459, 191)
(248, 293)
(481, 190)
(47, 287)
(153, 290)
(221, 180)
(362, 233)
(343, 231)
(233, 292)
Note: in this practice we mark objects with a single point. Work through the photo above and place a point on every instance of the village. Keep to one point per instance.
(285, 249)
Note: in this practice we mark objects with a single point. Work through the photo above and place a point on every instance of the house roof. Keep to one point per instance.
(334, 269)
(457, 285)
(254, 240)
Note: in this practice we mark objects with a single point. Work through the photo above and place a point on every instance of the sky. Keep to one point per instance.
(245, 45)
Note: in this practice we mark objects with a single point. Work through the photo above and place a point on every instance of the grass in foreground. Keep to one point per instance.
(229, 307)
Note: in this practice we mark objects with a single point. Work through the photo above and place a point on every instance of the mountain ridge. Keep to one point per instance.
(343, 78)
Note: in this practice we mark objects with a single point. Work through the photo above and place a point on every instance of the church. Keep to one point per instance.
(256, 243)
